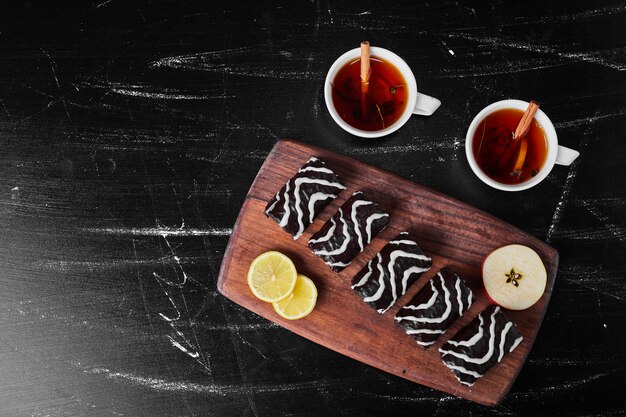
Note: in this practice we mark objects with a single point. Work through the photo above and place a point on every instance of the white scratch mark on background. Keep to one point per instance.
(229, 155)
(426, 145)
(558, 211)
(159, 384)
(216, 61)
(499, 68)
(245, 342)
(603, 232)
(104, 3)
(53, 68)
(595, 278)
(446, 47)
(562, 387)
(178, 267)
(63, 265)
(161, 231)
(5, 108)
(178, 339)
(543, 49)
(550, 20)
(165, 96)
(561, 361)
(163, 316)
(182, 348)
(179, 60)
(605, 201)
(56, 79)
(614, 229)
(588, 120)
(152, 92)
(570, 17)
(400, 398)
(238, 327)
(330, 15)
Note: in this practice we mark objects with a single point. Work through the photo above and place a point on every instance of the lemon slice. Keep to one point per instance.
(300, 302)
(272, 276)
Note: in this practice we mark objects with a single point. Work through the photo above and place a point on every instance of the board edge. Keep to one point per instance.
(226, 259)
(552, 253)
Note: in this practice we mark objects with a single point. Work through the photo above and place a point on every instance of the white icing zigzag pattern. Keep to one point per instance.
(435, 307)
(480, 345)
(302, 197)
(348, 232)
(387, 276)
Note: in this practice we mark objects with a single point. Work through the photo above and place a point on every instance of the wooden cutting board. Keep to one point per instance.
(454, 234)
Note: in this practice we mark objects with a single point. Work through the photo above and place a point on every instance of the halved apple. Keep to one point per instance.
(514, 277)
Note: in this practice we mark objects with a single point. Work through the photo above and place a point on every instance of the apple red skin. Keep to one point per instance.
(491, 299)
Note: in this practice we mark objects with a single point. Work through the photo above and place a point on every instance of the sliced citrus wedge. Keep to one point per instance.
(272, 276)
(300, 302)
(521, 155)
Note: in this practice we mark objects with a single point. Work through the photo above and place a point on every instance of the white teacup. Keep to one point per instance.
(418, 103)
(557, 154)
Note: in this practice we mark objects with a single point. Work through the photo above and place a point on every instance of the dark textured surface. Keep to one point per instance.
(130, 134)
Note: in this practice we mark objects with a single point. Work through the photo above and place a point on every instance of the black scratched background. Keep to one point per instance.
(131, 131)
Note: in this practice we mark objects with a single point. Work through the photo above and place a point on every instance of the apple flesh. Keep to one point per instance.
(514, 277)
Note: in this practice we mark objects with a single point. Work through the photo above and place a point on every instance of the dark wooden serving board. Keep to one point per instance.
(453, 233)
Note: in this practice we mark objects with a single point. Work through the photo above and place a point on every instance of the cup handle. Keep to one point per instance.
(426, 105)
(566, 156)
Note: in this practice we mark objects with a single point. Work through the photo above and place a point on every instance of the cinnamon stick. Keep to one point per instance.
(366, 71)
(515, 155)
(527, 118)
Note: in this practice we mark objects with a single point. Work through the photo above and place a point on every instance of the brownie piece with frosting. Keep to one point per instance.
(435, 307)
(348, 232)
(388, 275)
(480, 345)
(304, 196)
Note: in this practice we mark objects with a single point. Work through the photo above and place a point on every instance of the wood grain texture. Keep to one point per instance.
(454, 234)
(130, 133)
